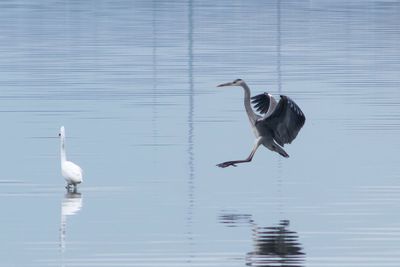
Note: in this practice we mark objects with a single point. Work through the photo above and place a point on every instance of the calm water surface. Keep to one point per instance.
(134, 84)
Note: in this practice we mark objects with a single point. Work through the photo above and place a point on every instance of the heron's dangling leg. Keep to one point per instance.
(248, 159)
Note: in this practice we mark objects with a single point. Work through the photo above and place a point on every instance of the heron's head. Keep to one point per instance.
(62, 132)
(237, 82)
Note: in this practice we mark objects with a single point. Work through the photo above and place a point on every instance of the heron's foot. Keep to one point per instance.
(227, 164)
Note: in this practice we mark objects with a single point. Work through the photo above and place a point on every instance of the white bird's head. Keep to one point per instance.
(62, 132)
(237, 82)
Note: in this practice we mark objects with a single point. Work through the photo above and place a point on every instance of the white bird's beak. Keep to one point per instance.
(225, 84)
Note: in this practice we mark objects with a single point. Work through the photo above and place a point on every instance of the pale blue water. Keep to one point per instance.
(134, 84)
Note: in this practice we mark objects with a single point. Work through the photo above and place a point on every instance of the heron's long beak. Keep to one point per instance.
(225, 84)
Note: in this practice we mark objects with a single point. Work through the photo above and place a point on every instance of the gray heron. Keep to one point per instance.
(278, 124)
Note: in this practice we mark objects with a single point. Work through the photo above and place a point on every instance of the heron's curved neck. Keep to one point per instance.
(250, 113)
(63, 156)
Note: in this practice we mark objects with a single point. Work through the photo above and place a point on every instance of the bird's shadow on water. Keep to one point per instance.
(272, 245)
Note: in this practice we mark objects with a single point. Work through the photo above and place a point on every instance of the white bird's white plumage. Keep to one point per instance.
(72, 173)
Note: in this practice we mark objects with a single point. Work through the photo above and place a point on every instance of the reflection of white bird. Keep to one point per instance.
(71, 172)
(71, 204)
(279, 124)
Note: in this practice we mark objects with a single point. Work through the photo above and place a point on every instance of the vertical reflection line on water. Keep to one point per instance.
(154, 119)
(279, 81)
(278, 240)
(190, 126)
(281, 209)
(278, 45)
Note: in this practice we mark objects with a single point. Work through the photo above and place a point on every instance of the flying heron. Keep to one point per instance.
(279, 123)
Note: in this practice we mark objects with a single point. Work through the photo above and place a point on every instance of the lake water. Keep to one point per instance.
(134, 83)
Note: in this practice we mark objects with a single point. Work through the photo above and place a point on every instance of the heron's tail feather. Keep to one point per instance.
(281, 151)
(284, 154)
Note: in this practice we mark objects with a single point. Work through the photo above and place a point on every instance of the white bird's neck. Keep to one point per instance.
(250, 113)
(63, 155)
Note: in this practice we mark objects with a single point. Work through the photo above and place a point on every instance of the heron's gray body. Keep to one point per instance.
(264, 136)
(278, 124)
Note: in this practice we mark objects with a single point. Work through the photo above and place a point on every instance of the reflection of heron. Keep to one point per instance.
(71, 172)
(279, 125)
(273, 246)
(71, 204)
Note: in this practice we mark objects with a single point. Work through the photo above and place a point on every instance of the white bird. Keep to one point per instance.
(279, 124)
(69, 170)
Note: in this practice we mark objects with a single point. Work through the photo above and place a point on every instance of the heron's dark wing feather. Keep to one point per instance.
(261, 102)
(285, 121)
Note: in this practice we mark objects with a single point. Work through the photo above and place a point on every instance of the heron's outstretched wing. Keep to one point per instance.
(285, 121)
(262, 102)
